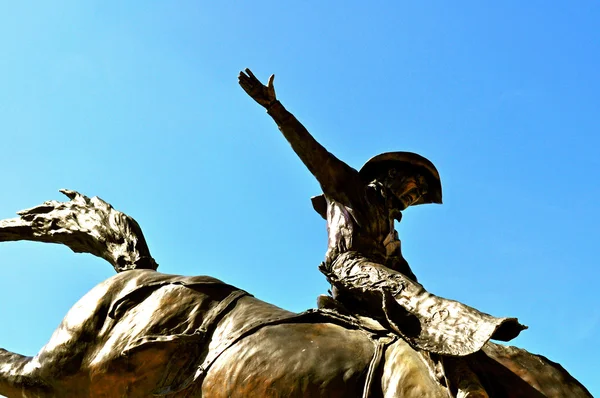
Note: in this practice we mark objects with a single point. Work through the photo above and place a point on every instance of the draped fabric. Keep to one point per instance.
(425, 321)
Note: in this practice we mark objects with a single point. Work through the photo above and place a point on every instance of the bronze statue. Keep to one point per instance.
(363, 260)
(143, 333)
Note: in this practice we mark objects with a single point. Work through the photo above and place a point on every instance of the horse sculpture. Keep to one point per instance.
(142, 333)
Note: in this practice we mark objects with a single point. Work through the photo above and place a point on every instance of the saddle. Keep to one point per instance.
(199, 365)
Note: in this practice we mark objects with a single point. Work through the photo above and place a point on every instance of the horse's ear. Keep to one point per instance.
(320, 205)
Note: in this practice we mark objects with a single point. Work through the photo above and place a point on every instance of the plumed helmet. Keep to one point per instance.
(380, 164)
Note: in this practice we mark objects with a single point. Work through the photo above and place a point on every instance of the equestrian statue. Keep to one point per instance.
(379, 333)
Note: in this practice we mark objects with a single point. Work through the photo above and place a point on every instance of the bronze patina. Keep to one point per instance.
(142, 333)
(363, 260)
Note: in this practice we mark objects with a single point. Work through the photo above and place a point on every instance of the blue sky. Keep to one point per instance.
(139, 104)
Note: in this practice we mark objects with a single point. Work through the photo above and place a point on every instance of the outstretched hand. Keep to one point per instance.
(264, 95)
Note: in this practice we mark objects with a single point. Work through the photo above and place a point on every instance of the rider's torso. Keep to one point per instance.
(363, 226)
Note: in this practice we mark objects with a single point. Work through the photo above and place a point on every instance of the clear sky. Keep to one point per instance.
(138, 103)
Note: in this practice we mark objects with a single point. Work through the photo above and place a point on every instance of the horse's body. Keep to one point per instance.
(139, 333)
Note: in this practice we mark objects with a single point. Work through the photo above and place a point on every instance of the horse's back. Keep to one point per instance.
(287, 359)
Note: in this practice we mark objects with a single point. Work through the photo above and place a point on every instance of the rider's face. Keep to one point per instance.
(407, 189)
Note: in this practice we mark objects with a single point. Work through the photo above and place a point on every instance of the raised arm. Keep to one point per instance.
(335, 176)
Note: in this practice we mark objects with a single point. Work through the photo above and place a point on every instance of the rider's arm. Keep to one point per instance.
(335, 176)
(332, 173)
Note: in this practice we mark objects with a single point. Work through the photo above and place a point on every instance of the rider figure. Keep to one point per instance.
(363, 261)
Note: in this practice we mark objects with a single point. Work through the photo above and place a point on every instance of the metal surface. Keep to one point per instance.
(152, 342)
(142, 333)
(363, 262)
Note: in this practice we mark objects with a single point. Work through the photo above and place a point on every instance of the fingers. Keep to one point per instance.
(246, 82)
(264, 95)
(242, 77)
(249, 72)
(248, 77)
(271, 89)
(246, 85)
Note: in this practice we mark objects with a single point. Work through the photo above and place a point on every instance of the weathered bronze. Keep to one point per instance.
(143, 333)
(363, 261)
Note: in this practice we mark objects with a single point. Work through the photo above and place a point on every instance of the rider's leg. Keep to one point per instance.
(406, 374)
(462, 381)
